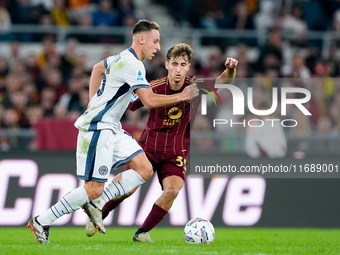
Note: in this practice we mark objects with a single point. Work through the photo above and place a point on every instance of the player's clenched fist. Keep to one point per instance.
(190, 92)
(231, 63)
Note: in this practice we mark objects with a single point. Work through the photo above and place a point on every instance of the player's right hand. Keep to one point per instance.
(190, 92)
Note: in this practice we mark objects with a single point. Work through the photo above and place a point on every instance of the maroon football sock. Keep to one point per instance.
(108, 207)
(155, 216)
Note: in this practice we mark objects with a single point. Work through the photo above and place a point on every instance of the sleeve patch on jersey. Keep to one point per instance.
(134, 98)
(140, 75)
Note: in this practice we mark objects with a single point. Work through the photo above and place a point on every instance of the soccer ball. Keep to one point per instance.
(199, 231)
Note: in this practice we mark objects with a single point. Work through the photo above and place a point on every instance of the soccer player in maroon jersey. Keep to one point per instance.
(166, 137)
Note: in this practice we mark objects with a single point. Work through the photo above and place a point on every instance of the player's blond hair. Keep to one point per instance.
(180, 50)
(144, 25)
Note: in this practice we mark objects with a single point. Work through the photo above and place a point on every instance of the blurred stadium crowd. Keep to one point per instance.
(68, 12)
(297, 15)
(54, 83)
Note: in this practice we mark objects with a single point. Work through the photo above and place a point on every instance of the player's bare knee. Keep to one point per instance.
(146, 172)
(171, 193)
(149, 172)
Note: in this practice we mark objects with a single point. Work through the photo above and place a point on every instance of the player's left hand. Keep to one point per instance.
(231, 63)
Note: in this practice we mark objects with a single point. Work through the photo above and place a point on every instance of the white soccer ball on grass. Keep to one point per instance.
(199, 231)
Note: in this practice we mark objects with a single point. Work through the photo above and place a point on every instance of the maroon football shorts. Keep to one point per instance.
(167, 165)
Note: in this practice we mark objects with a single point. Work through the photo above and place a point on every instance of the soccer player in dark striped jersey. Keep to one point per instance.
(166, 137)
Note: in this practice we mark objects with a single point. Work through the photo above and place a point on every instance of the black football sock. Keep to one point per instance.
(140, 230)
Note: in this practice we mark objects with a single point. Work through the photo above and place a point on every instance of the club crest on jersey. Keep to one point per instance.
(140, 76)
(103, 170)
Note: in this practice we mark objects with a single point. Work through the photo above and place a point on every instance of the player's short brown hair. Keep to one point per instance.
(144, 25)
(180, 50)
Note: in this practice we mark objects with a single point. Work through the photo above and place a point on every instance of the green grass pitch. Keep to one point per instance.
(248, 241)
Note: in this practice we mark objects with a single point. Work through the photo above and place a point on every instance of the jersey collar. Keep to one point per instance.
(133, 52)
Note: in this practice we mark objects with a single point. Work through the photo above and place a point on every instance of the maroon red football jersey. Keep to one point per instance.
(168, 128)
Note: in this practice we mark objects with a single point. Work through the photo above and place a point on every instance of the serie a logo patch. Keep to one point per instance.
(140, 76)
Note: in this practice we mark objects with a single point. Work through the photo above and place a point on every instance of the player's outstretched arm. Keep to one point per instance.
(97, 74)
(229, 73)
(151, 100)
